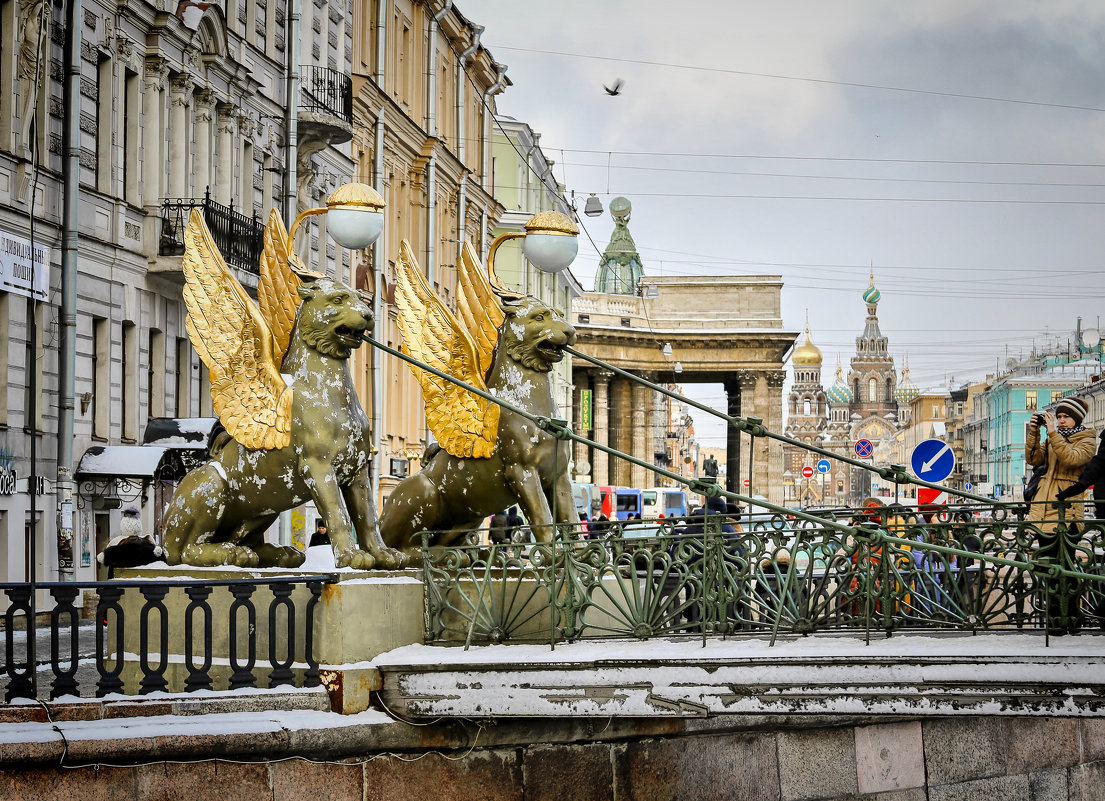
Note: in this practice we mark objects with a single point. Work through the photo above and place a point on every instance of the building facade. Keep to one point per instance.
(524, 186)
(174, 107)
(423, 104)
(1010, 402)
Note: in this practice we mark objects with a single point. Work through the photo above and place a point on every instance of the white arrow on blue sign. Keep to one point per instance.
(932, 460)
(823, 466)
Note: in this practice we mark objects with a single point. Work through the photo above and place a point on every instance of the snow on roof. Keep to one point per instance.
(180, 432)
(137, 461)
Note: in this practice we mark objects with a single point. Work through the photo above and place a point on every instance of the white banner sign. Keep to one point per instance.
(16, 273)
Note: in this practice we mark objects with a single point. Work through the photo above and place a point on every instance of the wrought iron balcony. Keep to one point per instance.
(327, 91)
(240, 238)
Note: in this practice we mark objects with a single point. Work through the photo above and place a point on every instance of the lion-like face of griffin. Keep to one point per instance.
(535, 335)
(332, 317)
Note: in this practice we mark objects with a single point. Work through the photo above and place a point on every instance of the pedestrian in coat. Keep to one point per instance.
(1093, 475)
(1066, 452)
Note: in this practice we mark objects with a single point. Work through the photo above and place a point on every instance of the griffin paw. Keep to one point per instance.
(390, 559)
(358, 560)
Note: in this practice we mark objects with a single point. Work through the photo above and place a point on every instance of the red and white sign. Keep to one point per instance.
(932, 497)
(807, 472)
(747, 482)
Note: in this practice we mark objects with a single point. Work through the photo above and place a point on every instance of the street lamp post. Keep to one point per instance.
(355, 216)
(551, 243)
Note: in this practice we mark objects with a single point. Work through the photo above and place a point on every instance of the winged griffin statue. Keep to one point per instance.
(487, 458)
(280, 385)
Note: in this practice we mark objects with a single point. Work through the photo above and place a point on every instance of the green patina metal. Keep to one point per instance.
(778, 579)
(855, 570)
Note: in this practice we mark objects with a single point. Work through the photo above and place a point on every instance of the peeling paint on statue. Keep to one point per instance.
(220, 511)
(452, 495)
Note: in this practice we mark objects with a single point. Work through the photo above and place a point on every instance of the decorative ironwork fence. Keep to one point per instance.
(142, 628)
(864, 570)
(328, 91)
(240, 238)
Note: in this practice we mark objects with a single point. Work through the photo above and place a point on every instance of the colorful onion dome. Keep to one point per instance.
(807, 353)
(871, 295)
(906, 390)
(839, 392)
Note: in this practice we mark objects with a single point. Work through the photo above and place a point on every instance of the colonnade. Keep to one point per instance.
(627, 416)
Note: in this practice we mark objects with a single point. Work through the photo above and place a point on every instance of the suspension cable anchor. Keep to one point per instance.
(555, 426)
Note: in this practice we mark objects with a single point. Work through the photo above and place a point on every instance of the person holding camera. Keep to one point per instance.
(1093, 475)
(1066, 451)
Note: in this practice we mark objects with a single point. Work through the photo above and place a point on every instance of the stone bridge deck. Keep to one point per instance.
(826, 674)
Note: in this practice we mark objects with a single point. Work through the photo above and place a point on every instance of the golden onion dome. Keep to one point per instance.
(807, 353)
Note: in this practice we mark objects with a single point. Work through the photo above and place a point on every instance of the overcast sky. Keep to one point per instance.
(959, 147)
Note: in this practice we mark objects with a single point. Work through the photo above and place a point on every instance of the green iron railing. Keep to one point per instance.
(862, 569)
(781, 576)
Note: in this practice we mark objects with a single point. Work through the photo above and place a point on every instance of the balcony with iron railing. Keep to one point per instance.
(327, 91)
(240, 238)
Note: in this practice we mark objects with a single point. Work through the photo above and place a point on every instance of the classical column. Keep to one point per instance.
(641, 396)
(650, 429)
(224, 169)
(733, 475)
(621, 407)
(205, 115)
(247, 125)
(152, 133)
(600, 469)
(180, 135)
(773, 419)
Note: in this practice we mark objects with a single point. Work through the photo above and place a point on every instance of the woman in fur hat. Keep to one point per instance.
(1066, 451)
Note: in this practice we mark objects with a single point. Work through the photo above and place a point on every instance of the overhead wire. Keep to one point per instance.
(827, 81)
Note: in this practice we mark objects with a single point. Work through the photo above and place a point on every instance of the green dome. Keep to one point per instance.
(871, 295)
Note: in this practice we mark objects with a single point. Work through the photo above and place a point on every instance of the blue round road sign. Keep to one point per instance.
(864, 448)
(823, 466)
(932, 460)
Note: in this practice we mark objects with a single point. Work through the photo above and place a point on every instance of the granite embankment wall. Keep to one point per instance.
(750, 759)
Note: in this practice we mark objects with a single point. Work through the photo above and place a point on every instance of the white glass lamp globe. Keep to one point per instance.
(354, 215)
(551, 241)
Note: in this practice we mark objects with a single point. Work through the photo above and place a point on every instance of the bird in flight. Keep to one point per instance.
(615, 89)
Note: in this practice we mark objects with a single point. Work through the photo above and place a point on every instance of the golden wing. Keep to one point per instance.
(464, 424)
(234, 341)
(276, 289)
(478, 305)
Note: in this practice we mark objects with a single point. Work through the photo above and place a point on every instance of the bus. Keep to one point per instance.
(666, 501)
(628, 503)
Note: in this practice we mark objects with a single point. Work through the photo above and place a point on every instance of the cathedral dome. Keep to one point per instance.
(807, 353)
(839, 393)
(871, 295)
(907, 390)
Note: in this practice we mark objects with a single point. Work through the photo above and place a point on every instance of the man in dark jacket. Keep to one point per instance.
(1092, 474)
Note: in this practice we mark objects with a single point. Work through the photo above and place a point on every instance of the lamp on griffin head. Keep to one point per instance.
(355, 216)
(551, 243)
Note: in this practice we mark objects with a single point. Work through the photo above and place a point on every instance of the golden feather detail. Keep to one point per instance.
(235, 343)
(464, 424)
(478, 305)
(276, 289)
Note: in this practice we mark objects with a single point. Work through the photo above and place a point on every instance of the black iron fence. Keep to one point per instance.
(240, 238)
(163, 635)
(328, 91)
